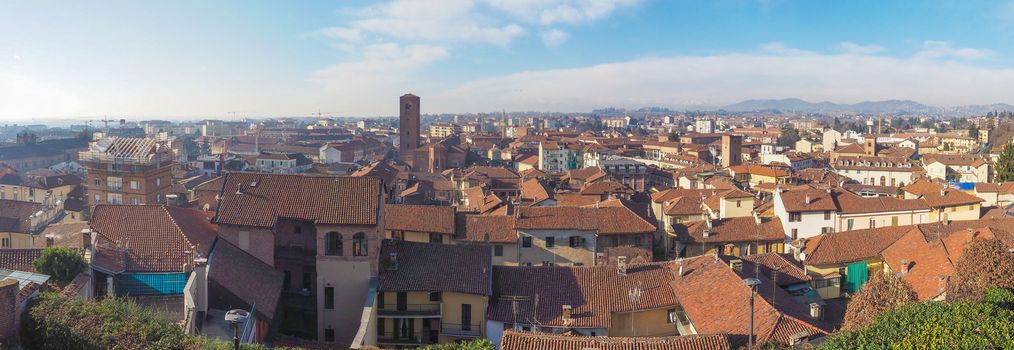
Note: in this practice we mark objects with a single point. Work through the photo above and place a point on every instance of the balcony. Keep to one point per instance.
(114, 188)
(461, 330)
(409, 338)
(410, 310)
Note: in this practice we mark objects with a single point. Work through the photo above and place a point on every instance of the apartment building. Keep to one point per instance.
(419, 223)
(878, 171)
(126, 170)
(959, 167)
(578, 236)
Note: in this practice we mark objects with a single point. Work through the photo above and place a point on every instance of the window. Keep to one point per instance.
(5, 242)
(637, 240)
(550, 241)
(466, 317)
(135, 201)
(329, 335)
(574, 241)
(158, 182)
(297, 229)
(381, 325)
(526, 242)
(359, 244)
(436, 238)
(98, 182)
(616, 241)
(827, 215)
(329, 298)
(795, 234)
(435, 296)
(114, 183)
(851, 223)
(795, 217)
(134, 185)
(333, 244)
(894, 221)
(398, 235)
(307, 281)
(498, 250)
(672, 316)
(287, 280)
(873, 223)
(115, 198)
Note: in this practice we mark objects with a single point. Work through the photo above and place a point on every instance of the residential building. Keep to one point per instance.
(419, 223)
(959, 167)
(756, 174)
(123, 170)
(805, 211)
(319, 231)
(431, 293)
(738, 236)
(494, 231)
(30, 153)
(878, 171)
(576, 236)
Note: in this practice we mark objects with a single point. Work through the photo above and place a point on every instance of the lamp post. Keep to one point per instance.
(752, 283)
(234, 318)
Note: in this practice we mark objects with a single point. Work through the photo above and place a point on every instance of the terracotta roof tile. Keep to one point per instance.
(740, 229)
(246, 277)
(514, 340)
(435, 267)
(603, 220)
(19, 259)
(474, 228)
(850, 246)
(795, 200)
(419, 218)
(156, 238)
(335, 200)
(788, 270)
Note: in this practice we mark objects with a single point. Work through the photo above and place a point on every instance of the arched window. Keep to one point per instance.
(883, 181)
(333, 244)
(359, 244)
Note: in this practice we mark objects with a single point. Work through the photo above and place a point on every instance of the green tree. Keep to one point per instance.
(62, 264)
(789, 137)
(884, 292)
(478, 344)
(1005, 165)
(973, 131)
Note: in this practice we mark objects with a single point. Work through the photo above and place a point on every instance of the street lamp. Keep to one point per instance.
(752, 283)
(234, 318)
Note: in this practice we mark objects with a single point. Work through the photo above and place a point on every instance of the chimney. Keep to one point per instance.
(756, 218)
(621, 265)
(904, 267)
(393, 266)
(736, 265)
(816, 311)
(807, 199)
(566, 314)
(706, 233)
(239, 188)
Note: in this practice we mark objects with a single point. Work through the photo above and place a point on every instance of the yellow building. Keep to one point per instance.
(419, 223)
(431, 293)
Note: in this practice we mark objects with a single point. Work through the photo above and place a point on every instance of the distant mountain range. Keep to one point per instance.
(866, 107)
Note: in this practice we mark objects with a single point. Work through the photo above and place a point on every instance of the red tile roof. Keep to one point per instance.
(257, 199)
(246, 277)
(850, 246)
(603, 220)
(461, 268)
(795, 200)
(514, 340)
(787, 270)
(19, 259)
(155, 237)
(14, 215)
(474, 228)
(605, 187)
(419, 218)
(740, 229)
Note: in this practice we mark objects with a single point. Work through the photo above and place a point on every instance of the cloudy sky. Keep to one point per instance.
(182, 58)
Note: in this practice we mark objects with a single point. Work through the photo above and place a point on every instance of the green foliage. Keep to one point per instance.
(934, 325)
(1000, 297)
(789, 137)
(55, 322)
(61, 263)
(478, 344)
(1005, 165)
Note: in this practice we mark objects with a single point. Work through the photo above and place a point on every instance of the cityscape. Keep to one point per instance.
(464, 178)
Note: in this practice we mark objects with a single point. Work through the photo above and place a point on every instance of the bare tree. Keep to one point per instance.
(984, 263)
(882, 293)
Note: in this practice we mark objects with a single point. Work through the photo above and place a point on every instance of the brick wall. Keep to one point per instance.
(8, 311)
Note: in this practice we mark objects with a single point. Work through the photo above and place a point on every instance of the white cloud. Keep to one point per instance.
(729, 78)
(781, 49)
(444, 21)
(340, 33)
(548, 12)
(857, 49)
(944, 49)
(553, 37)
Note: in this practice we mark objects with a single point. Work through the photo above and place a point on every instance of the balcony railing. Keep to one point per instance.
(419, 310)
(397, 337)
(461, 330)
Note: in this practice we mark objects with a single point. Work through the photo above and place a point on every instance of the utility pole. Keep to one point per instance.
(752, 283)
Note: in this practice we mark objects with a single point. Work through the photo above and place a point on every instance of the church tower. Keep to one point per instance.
(408, 130)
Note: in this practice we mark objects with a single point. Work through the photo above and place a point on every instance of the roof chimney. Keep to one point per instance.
(393, 262)
(816, 311)
(706, 233)
(621, 265)
(807, 199)
(239, 188)
(904, 267)
(756, 218)
(567, 314)
(736, 265)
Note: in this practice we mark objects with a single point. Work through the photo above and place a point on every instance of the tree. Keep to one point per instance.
(973, 131)
(984, 263)
(62, 264)
(789, 137)
(1005, 165)
(478, 344)
(935, 325)
(884, 292)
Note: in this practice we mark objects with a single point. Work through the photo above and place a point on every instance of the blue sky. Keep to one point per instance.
(146, 59)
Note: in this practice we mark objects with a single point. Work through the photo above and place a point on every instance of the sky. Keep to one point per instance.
(233, 59)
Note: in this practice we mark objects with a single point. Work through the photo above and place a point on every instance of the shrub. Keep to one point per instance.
(983, 264)
(884, 292)
(934, 325)
(55, 322)
(62, 264)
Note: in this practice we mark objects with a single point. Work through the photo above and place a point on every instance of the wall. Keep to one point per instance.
(561, 253)
(349, 275)
(451, 312)
(862, 221)
(647, 323)
(810, 223)
(260, 242)
(729, 209)
(8, 311)
(956, 213)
